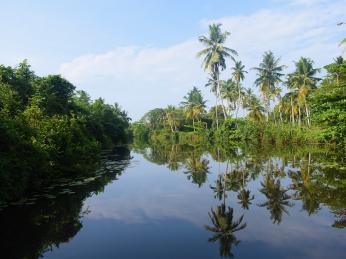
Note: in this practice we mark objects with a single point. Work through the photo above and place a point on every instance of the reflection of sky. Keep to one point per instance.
(149, 198)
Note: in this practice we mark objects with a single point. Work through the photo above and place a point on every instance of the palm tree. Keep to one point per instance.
(229, 92)
(338, 61)
(304, 80)
(194, 105)
(269, 74)
(172, 117)
(215, 55)
(276, 94)
(238, 75)
(254, 106)
(224, 226)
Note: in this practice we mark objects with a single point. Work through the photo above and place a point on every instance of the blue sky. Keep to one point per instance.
(141, 54)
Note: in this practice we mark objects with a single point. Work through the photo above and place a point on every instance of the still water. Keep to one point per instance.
(189, 202)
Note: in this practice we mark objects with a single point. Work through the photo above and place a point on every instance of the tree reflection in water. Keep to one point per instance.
(277, 198)
(30, 231)
(224, 227)
(311, 175)
(197, 168)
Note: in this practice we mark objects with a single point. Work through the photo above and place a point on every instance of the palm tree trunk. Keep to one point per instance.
(267, 107)
(299, 116)
(292, 112)
(216, 113)
(238, 102)
(219, 95)
(307, 113)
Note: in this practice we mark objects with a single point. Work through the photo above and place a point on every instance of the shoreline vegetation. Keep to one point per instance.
(50, 131)
(294, 108)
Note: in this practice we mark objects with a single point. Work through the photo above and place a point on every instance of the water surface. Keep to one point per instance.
(171, 201)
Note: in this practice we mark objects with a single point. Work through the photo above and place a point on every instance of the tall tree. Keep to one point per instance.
(215, 55)
(194, 105)
(304, 80)
(269, 74)
(238, 74)
(229, 92)
(254, 106)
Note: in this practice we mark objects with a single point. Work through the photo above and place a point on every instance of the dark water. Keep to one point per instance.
(173, 201)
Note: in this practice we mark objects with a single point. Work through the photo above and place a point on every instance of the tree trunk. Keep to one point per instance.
(292, 112)
(299, 116)
(307, 113)
(193, 123)
(216, 115)
(267, 107)
(238, 102)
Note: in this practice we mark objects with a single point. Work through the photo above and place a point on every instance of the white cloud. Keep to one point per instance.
(141, 78)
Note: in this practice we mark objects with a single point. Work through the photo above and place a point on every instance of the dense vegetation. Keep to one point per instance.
(48, 129)
(299, 107)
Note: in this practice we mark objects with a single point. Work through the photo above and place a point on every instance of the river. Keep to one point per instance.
(172, 201)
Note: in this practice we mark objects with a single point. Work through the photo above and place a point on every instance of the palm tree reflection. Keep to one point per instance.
(277, 198)
(224, 226)
(245, 198)
(219, 188)
(197, 169)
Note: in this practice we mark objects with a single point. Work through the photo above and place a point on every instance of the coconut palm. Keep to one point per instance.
(229, 92)
(338, 61)
(215, 55)
(224, 226)
(238, 75)
(254, 106)
(303, 80)
(269, 74)
(193, 98)
(172, 117)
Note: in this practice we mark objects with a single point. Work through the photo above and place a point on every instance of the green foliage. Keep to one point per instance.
(329, 104)
(140, 131)
(48, 130)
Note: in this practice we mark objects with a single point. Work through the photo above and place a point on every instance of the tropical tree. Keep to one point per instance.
(238, 75)
(269, 74)
(215, 55)
(303, 80)
(194, 105)
(254, 106)
(154, 118)
(229, 92)
(172, 117)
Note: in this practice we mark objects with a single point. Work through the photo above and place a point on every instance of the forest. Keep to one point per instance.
(306, 105)
(49, 129)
